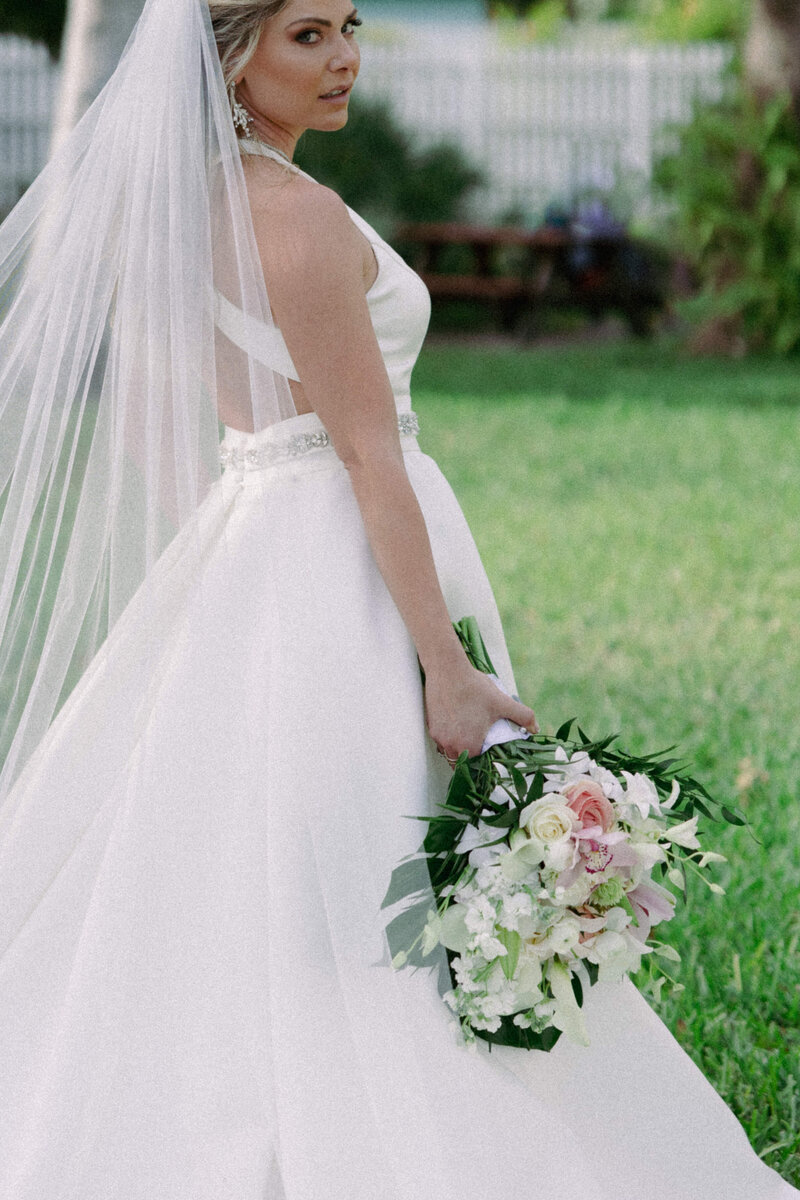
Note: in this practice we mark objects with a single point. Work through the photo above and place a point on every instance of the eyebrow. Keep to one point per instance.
(321, 20)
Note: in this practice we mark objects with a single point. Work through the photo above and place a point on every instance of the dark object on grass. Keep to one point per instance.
(585, 261)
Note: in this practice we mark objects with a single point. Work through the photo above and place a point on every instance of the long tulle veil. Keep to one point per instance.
(111, 368)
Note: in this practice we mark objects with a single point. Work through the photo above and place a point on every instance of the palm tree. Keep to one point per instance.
(95, 35)
(772, 50)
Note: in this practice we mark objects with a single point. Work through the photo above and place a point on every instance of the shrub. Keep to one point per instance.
(736, 183)
(374, 166)
(692, 20)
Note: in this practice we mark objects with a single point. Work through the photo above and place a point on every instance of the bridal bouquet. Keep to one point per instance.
(548, 862)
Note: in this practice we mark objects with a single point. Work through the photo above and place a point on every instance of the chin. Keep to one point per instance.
(334, 122)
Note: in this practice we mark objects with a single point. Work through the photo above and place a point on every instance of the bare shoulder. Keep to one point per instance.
(303, 228)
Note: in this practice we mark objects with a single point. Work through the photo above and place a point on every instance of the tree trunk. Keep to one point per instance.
(94, 38)
(772, 50)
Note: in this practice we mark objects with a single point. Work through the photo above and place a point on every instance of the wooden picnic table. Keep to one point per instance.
(541, 274)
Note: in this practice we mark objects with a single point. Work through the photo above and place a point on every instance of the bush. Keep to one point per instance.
(736, 181)
(374, 166)
(662, 20)
(692, 20)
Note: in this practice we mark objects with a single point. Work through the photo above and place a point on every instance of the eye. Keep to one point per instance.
(305, 38)
(351, 26)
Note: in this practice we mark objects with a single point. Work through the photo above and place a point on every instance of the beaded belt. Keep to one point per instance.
(254, 457)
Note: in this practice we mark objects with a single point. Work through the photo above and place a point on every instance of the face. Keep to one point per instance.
(302, 72)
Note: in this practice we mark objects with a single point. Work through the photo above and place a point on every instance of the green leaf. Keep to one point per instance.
(536, 789)
(407, 879)
(564, 730)
(461, 792)
(520, 786)
(442, 835)
(513, 944)
(402, 931)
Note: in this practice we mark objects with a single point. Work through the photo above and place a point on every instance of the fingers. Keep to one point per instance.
(525, 717)
(451, 759)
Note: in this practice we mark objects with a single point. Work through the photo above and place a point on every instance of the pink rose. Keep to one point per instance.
(589, 803)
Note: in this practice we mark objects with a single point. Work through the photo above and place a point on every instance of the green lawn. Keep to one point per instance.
(638, 515)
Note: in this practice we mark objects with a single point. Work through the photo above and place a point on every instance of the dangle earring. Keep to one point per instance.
(241, 117)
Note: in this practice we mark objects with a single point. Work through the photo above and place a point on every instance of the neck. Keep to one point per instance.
(258, 128)
(259, 141)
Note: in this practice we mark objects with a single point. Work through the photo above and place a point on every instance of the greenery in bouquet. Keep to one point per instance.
(551, 862)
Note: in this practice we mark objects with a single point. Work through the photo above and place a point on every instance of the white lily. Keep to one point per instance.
(673, 796)
(684, 834)
(640, 793)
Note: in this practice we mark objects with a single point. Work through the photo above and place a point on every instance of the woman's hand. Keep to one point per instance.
(462, 704)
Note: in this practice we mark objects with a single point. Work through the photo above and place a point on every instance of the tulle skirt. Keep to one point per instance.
(196, 1001)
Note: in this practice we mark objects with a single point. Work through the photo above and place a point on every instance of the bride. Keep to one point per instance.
(215, 728)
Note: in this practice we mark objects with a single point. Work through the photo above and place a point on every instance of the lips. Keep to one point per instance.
(337, 93)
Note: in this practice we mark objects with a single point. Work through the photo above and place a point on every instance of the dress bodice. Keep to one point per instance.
(399, 307)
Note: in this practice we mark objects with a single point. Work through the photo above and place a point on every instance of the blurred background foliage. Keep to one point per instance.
(671, 20)
(40, 20)
(735, 181)
(375, 167)
(732, 189)
(661, 20)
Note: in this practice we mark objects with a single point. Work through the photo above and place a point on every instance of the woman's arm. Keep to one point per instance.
(314, 263)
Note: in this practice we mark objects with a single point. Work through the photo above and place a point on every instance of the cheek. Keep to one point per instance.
(282, 73)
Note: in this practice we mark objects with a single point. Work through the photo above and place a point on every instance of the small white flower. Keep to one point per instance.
(475, 836)
(608, 782)
(641, 794)
(573, 768)
(684, 834)
(490, 947)
(431, 934)
(514, 907)
(710, 856)
(560, 939)
(673, 796)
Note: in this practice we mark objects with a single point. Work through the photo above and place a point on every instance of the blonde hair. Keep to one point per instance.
(237, 28)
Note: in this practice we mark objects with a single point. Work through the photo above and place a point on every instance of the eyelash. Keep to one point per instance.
(353, 25)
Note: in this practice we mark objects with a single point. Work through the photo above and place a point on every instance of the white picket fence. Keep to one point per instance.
(28, 80)
(542, 122)
(546, 122)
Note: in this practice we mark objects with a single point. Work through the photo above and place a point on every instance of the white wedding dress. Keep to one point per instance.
(196, 1001)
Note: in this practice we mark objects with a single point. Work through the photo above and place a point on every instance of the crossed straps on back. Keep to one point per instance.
(262, 342)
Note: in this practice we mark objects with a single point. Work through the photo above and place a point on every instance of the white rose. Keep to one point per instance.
(549, 824)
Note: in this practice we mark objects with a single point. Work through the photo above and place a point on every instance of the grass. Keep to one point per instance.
(637, 514)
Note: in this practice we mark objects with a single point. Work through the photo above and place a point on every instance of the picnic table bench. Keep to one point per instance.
(520, 270)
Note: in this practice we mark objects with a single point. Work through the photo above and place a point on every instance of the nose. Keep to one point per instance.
(346, 56)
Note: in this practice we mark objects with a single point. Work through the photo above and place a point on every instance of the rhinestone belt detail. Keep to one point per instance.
(296, 445)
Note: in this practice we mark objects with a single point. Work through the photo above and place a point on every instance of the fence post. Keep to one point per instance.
(638, 154)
